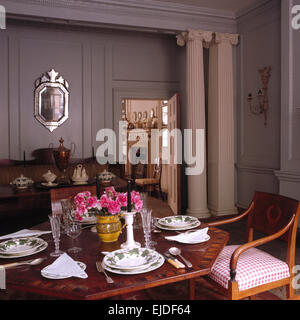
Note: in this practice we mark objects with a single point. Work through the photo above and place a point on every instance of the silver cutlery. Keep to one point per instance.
(101, 270)
(177, 252)
(32, 262)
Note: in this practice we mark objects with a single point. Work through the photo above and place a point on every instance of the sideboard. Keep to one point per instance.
(25, 208)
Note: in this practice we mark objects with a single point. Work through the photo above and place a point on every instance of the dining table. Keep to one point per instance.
(29, 278)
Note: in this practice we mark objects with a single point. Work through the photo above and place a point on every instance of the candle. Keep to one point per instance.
(129, 197)
(98, 187)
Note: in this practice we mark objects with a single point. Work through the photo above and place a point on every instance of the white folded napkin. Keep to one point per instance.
(24, 233)
(2, 278)
(65, 266)
(194, 236)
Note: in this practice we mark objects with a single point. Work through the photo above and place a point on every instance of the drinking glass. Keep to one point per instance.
(146, 220)
(73, 230)
(66, 206)
(153, 228)
(55, 227)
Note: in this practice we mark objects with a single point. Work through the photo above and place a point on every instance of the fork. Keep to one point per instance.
(101, 269)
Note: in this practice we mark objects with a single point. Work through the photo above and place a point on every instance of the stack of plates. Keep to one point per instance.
(132, 261)
(21, 247)
(86, 219)
(178, 223)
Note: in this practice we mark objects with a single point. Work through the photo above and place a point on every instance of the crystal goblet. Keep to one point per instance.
(55, 227)
(73, 230)
(146, 220)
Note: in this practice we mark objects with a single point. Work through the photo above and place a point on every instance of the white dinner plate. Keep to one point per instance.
(191, 226)
(155, 265)
(37, 250)
(20, 245)
(178, 221)
(131, 259)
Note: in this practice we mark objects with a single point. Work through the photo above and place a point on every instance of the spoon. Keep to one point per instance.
(177, 252)
(33, 262)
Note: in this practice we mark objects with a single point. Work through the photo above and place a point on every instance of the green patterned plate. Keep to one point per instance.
(177, 221)
(155, 265)
(20, 246)
(130, 259)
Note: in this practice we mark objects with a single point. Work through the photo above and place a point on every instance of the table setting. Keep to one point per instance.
(75, 255)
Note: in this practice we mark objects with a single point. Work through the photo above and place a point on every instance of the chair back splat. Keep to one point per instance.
(270, 213)
(67, 193)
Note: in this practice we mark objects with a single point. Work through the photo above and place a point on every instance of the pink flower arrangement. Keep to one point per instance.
(110, 203)
(86, 205)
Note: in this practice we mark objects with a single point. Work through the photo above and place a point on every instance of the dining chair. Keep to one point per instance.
(242, 271)
(57, 194)
(154, 182)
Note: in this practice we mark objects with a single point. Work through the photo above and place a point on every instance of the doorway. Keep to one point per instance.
(145, 115)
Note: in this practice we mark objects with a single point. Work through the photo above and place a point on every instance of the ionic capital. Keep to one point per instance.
(194, 35)
(233, 39)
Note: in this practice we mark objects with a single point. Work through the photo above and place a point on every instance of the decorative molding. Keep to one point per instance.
(159, 16)
(287, 176)
(256, 170)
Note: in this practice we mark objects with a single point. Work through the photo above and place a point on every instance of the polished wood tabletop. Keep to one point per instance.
(29, 279)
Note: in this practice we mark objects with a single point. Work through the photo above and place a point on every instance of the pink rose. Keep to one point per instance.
(138, 205)
(110, 191)
(92, 202)
(113, 207)
(122, 199)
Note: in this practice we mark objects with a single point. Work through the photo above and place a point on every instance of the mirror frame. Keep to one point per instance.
(51, 80)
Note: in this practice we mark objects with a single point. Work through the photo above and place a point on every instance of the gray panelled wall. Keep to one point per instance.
(101, 67)
(257, 147)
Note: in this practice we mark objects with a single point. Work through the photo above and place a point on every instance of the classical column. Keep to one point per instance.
(195, 113)
(221, 126)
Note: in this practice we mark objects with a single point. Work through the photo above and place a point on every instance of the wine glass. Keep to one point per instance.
(73, 230)
(146, 220)
(55, 227)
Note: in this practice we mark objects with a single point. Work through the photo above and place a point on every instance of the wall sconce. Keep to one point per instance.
(262, 105)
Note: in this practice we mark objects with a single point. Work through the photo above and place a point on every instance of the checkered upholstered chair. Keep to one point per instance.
(243, 271)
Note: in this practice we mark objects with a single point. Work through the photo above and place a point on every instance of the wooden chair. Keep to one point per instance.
(154, 182)
(67, 193)
(242, 270)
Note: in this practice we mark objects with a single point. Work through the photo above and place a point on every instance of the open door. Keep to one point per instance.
(174, 169)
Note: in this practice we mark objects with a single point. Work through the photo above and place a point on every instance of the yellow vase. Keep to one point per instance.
(109, 228)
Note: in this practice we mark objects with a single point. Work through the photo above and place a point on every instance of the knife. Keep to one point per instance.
(173, 261)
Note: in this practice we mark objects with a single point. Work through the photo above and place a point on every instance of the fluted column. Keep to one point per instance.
(221, 126)
(195, 112)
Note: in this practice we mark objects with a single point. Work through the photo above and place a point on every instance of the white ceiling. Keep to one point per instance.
(233, 6)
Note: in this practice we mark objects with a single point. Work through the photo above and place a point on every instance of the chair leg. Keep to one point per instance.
(160, 191)
(290, 292)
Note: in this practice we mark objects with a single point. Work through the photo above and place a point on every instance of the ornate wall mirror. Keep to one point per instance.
(51, 100)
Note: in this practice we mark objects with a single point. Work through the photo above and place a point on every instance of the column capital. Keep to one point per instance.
(233, 39)
(192, 35)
